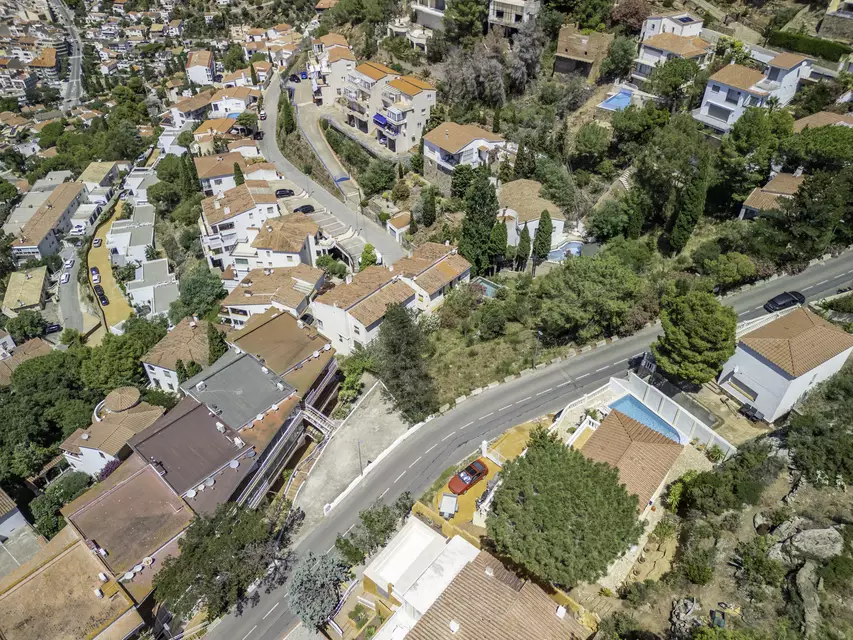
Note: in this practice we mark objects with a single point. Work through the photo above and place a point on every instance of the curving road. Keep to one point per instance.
(75, 57)
(450, 438)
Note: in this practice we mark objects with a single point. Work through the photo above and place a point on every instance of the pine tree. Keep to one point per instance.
(253, 75)
(288, 122)
(481, 209)
(428, 207)
(416, 162)
(542, 239)
(522, 252)
(216, 345)
(496, 121)
(497, 245)
(238, 175)
(525, 162)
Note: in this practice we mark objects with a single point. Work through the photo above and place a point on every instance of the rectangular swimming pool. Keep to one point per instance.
(633, 408)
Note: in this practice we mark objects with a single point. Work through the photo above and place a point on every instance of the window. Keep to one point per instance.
(217, 181)
(715, 88)
(356, 331)
(320, 324)
(732, 96)
(102, 455)
(171, 386)
(290, 258)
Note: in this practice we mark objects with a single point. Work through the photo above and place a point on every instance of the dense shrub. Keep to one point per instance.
(844, 304)
(809, 45)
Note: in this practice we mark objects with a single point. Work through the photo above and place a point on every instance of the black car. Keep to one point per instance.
(294, 78)
(53, 328)
(305, 208)
(99, 290)
(259, 135)
(104, 300)
(785, 300)
(283, 193)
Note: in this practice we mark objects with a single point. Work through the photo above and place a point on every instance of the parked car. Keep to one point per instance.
(262, 115)
(294, 78)
(97, 242)
(96, 278)
(53, 328)
(283, 193)
(303, 75)
(468, 477)
(94, 271)
(65, 278)
(99, 290)
(104, 300)
(123, 196)
(259, 135)
(69, 263)
(785, 300)
(305, 208)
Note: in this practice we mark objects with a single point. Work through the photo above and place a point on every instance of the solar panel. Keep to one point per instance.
(685, 19)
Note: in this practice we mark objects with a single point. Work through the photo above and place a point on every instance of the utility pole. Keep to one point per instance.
(536, 347)
(360, 468)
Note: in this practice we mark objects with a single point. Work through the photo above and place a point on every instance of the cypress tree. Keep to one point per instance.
(216, 346)
(496, 121)
(481, 208)
(523, 250)
(497, 245)
(542, 239)
(428, 207)
(288, 122)
(416, 162)
(253, 74)
(238, 175)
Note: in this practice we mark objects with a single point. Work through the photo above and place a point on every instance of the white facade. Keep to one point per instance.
(404, 109)
(11, 522)
(162, 378)
(509, 15)
(229, 105)
(168, 141)
(681, 24)
(90, 461)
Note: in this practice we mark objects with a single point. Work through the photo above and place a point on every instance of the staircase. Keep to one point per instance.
(625, 177)
(318, 420)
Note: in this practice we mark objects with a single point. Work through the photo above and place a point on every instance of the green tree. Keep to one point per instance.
(496, 120)
(416, 162)
(368, 256)
(185, 139)
(378, 177)
(819, 149)
(221, 555)
(522, 251)
(672, 80)
(542, 239)
(692, 205)
(248, 120)
(400, 360)
(525, 162)
(50, 133)
(591, 143)
(481, 209)
(192, 184)
(608, 221)
(333, 268)
(464, 20)
(698, 337)
(497, 245)
(170, 168)
(234, 58)
(492, 320)
(253, 75)
(7, 191)
(165, 195)
(71, 338)
(730, 269)
(288, 120)
(26, 325)
(620, 58)
(201, 290)
(428, 206)
(545, 518)
(181, 372)
(460, 180)
(315, 588)
(45, 508)
(216, 345)
(238, 175)
(634, 127)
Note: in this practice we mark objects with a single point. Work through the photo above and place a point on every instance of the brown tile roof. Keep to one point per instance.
(368, 295)
(410, 85)
(111, 434)
(497, 605)
(240, 199)
(47, 59)
(683, 46)
(373, 308)
(216, 166)
(196, 102)
(332, 40)
(122, 399)
(49, 213)
(452, 137)
(243, 142)
(786, 184)
(401, 221)
(770, 196)
(218, 125)
(787, 60)
(287, 285)
(798, 342)
(20, 354)
(823, 119)
(433, 266)
(642, 456)
(522, 196)
(200, 59)
(285, 234)
(375, 70)
(7, 505)
(236, 93)
(339, 53)
(578, 46)
(184, 342)
(325, 4)
(740, 77)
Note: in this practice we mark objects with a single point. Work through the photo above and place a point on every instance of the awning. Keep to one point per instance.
(380, 120)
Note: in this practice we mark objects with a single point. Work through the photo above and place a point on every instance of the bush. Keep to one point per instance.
(714, 453)
(111, 466)
(698, 566)
(400, 191)
(844, 304)
(757, 569)
(332, 267)
(809, 45)
(639, 593)
(837, 574)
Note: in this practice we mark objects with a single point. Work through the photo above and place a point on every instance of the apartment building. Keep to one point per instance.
(666, 37)
(450, 144)
(40, 234)
(209, 132)
(405, 106)
(432, 271)
(735, 88)
(507, 16)
(192, 109)
(127, 240)
(227, 216)
(429, 13)
(351, 313)
(200, 68)
(187, 342)
(232, 101)
(289, 290)
(363, 92)
(329, 63)
(46, 65)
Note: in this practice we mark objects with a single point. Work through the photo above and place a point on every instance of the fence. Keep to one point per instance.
(689, 427)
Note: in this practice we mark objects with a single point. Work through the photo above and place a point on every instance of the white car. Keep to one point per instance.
(262, 115)
(65, 278)
(69, 263)
(96, 278)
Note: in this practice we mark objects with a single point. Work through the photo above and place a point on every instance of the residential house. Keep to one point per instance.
(190, 109)
(121, 416)
(351, 313)
(399, 225)
(167, 143)
(176, 28)
(770, 197)
(137, 183)
(256, 35)
(212, 133)
(680, 23)
(823, 119)
(285, 241)
(83, 220)
(287, 289)
(450, 144)
(11, 357)
(363, 92)
(432, 270)
(281, 30)
(227, 216)
(671, 39)
(581, 53)
(33, 200)
(187, 342)
(127, 240)
(238, 78)
(405, 105)
(429, 13)
(837, 21)
(153, 289)
(233, 101)
(39, 237)
(25, 291)
(200, 69)
(734, 88)
(507, 16)
(329, 63)
(324, 5)
(46, 66)
(777, 364)
(522, 205)
(246, 147)
(216, 173)
(99, 174)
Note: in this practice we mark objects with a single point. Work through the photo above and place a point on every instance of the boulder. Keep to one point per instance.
(808, 585)
(817, 543)
(761, 523)
(791, 527)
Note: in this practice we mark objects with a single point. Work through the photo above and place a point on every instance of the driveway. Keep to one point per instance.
(69, 297)
(363, 226)
(118, 309)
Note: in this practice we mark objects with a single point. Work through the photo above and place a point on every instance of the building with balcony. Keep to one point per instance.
(417, 35)
(40, 235)
(680, 23)
(192, 109)
(200, 69)
(153, 289)
(661, 47)
(406, 103)
(429, 13)
(289, 290)
(187, 342)
(507, 16)
(233, 101)
(363, 92)
(432, 271)
(735, 88)
(450, 144)
(329, 63)
(216, 173)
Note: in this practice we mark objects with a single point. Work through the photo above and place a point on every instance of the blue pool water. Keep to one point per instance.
(621, 100)
(564, 250)
(491, 289)
(633, 408)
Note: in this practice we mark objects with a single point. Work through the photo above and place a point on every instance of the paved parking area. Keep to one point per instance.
(18, 548)
(118, 309)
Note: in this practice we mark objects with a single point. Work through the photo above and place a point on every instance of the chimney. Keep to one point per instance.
(349, 278)
(454, 626)
(561, 612)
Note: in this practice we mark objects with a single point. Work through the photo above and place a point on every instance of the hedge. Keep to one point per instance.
(809, 45)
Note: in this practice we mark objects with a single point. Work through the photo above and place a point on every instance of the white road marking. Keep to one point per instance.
(509, 406)
(742, 313)
(431, 448)
(761, 306)
(583, 376)
(602, 368)
(467, 425)
(255, 627)
(823, 282)
(447, 436)
(415, 462)
(546, 391)
(329, 550)
(382, 495)
(400, 476)
(849, 272)
(563, 384)
(350, 527)
(487, 415)
(807, 288)
(270, 611)
(621, 361)
(524, 399)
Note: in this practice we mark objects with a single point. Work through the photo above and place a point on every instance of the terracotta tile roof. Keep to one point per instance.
(240, 199)
(375, 70)
(20, 354)
(410, 85)
(122, 399)
(522, 196)
(433, 266)
(787, 60)
(331, 40)
(289, 286)
(7, 505)
(770, 196)
(642, 456)
(823, 119)
(339, 53)
(367, 297)
(683, 46)
(285, 234)
(111, 434)
(325, 4)
(740, 77)
(236, 93)
(200, 59)
(497, 605)
(453, 137)
(216, 166)
(198, 101)
(798, 342)
(49, 214)
(184, 342)
(373, 308)
(243, 142)
(579, 46)
(401, 221)
(47, 59)
(218, 125)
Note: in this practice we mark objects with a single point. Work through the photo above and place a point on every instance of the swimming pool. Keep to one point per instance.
(573, 247)
(619, 101)
(491, 289)
(633, 408)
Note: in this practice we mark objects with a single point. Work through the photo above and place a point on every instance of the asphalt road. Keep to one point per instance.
(69, 300)
(73, 87)
(370, 231)
(450, 438)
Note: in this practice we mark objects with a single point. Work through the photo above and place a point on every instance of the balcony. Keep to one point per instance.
(360, 83)
(357, 110)
(219, 240)
(506, 18)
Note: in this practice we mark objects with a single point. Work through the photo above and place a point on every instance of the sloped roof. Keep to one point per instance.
(823, 119)
(341, 53)
(285, 234)
(122, 399)
(286, 285)
(375, 70)
(798, 342)
(199, 58)
(683, 46)
(20, 354)
(787, 60)
(111, 434)
(739, 77)
(184, 342)
(239, 199)
(433, 266)
(522, 196)
(452, 137)
(642, 456)
(770, 196)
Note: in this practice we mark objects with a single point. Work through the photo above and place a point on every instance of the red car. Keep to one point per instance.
(468, 477)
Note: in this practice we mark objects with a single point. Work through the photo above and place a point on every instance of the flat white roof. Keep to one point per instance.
(454, 557)
(406, 557)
